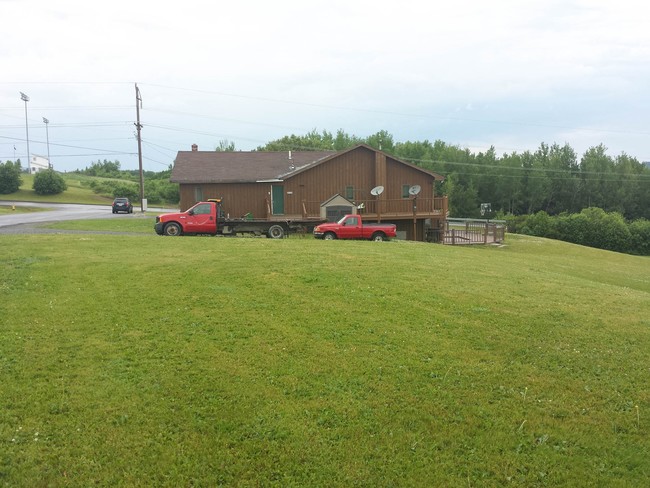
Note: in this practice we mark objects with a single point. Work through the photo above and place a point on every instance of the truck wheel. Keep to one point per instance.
(329, 236)
(378, 236)
(173, 229)
(276, 232)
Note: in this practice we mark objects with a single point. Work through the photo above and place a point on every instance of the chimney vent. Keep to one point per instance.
(195, 147)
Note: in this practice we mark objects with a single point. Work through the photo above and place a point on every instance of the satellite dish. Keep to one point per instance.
(414, 190)
(376, 191)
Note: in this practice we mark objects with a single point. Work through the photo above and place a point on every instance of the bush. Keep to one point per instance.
(132, 192)
(596, 228)
(540, 224)
(49, 182)
(640, 237)
(112, 188)
(514, 223)
(592, 227)
(156, 191)
(161, 191)
(10, 179)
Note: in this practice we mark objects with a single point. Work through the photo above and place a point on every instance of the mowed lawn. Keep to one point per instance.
(139, 360)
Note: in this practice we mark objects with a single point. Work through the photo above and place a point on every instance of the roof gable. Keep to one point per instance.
(336, 154)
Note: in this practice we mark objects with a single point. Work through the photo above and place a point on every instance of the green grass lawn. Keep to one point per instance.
(135, 222)
(139, 360)
(9, 209)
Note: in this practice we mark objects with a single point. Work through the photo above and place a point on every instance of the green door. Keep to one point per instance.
(277, 199)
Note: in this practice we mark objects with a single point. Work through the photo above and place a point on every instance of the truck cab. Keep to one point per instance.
(199, 219)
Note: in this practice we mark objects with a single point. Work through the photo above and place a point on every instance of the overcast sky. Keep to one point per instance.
(475, 73)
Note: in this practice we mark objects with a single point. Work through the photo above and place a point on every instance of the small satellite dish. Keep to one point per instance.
(376, 191)
(414, 190)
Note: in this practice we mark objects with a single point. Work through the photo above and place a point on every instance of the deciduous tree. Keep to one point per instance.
(10, 179)
(49, 182)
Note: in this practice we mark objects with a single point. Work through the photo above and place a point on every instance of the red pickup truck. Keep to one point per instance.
(352, 227)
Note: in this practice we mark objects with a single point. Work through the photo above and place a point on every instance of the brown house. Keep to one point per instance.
(313, 184)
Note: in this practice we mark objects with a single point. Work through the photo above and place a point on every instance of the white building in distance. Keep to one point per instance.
(38, 163)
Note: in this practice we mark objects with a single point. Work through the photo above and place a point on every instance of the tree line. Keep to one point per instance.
(552, 178)
(117, 182)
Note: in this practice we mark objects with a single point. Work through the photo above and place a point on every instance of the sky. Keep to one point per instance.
(511, 74)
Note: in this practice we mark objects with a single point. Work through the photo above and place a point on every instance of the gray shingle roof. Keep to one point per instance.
(241, 167)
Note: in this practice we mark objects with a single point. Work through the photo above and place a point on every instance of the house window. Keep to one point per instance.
(405, 191)
(349, 192)
(198, 194)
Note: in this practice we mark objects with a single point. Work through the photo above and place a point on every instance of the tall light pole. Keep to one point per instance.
(25, 99)
(47, 135)
(138, 125)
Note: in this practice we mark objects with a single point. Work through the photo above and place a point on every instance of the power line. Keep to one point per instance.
(577, 170)
(400, 114)
(77, 107)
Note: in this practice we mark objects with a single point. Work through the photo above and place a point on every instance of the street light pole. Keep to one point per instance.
(47, 135)
(25, 99)
(138, 125)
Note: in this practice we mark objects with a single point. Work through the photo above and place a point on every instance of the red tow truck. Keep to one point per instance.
(207, 218)
(352, 227)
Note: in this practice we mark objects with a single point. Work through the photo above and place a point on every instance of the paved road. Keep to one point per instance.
(62, 211)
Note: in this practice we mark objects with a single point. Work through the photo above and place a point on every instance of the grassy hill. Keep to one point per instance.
(144, 360)
(78, 191)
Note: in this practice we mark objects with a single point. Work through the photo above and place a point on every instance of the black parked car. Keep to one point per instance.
(122, 205)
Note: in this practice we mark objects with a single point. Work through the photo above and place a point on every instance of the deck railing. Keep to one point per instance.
(474, 231)
(383, 208)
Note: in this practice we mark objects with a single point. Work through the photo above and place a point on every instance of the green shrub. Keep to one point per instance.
(640, 237)
(591, 227)
(596, 228)
(540, 224)
(116, 189)
(514, 223)
(161, 191)
(10, 179)
(132, 192)
(49, 182)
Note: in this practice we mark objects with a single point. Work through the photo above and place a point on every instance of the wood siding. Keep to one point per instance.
(304, 192)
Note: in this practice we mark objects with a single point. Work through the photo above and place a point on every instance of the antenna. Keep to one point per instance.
(414, 190)
(376, 191)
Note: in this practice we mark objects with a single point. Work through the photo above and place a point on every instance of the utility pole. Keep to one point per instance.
(138, 104)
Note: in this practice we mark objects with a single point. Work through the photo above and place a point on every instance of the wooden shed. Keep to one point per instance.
(305, 184)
